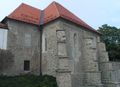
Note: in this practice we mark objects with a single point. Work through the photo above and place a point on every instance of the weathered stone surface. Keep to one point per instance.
(103, 56)
(93, 78)
(112, 85)
(101, 46)
(63, 63)
(62, 49)
(24, 42)
(74, 55)
(64, 79)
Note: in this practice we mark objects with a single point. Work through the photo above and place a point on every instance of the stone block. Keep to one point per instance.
(64, 79)
(110, 76)
(91, 54)
(97, 85)
(103, 56)
(61, 37)
(91, 66)
(78, 80)
(63, 63)
(93, 78)
(62, 49)
(91, 42)
(112, 85)
(101, 46)
(105, 66)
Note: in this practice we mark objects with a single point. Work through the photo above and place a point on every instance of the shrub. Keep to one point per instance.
(28, 81)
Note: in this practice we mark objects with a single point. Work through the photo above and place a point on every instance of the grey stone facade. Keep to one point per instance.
(71, 53)
(24, 42)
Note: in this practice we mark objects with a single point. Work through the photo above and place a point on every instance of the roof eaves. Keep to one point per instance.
(55, 3)
(86, 28)
(4, 26)
(21, 21)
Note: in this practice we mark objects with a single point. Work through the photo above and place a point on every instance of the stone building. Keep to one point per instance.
(54, 41)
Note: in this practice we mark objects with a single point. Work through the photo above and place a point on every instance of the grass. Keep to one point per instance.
(28, 81)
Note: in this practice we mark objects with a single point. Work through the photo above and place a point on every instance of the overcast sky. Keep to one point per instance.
(93, 12)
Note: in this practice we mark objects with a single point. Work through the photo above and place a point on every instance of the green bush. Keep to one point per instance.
(28, 81)
(111, 37)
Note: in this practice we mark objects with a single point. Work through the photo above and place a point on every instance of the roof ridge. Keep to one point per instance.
(30, 14)
(25, 5)
(30, 6)
(61, 15)
(68, 11)
(55, 3)
(26, 13)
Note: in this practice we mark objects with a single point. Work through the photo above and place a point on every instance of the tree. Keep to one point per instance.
(111, 37)
(6, 59)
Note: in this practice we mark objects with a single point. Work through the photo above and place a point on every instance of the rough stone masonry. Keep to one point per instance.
(62, 46)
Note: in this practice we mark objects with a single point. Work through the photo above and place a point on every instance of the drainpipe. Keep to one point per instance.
(41, 32)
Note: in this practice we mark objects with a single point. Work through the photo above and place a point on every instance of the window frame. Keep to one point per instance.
(26, 65)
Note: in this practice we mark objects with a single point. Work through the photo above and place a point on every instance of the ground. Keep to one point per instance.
(28, 81)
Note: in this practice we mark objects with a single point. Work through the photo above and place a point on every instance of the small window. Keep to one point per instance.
(26, 65)
(75, 40)
(45, 44)
(28, 40)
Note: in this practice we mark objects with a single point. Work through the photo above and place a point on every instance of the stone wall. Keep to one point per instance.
(49, 49)
(83, 54)
(71, 55)
(24, 42)
(74, 55)
(110, 70)
(54, 53)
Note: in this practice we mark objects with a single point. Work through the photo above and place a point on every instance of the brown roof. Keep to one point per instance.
(32, 15)
(3, 26)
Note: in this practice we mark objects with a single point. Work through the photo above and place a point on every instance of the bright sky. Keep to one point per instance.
(93, 12)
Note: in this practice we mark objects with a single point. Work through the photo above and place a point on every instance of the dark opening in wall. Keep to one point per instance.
(75, 39)
(45, 44)
(26, 65)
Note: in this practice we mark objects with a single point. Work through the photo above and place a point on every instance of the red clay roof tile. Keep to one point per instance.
(55, 10)
(27, 14)
(51, 13)
(32, 15)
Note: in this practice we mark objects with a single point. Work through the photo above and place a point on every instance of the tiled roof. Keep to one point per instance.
(55, 10)
(27, 14)
(3, 26)
(32, 15)
(51, 12)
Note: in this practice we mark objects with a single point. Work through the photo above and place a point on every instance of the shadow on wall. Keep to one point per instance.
(6, 59)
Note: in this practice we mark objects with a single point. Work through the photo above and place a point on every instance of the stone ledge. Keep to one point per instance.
(116, 83)
(94, 85)
(61, 42)
(63, 71)
(92, 72)
(62, 57)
